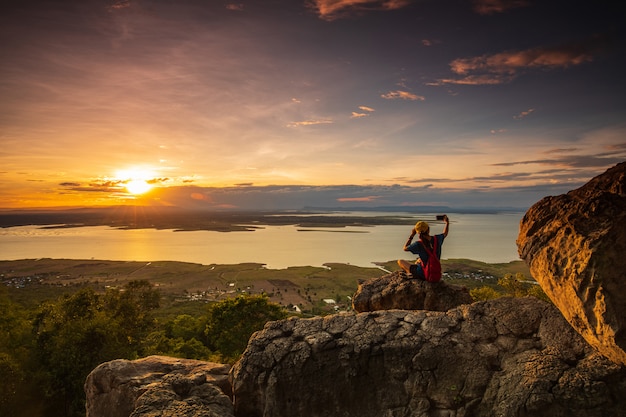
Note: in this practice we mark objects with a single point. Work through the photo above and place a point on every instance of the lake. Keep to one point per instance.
(483, 237)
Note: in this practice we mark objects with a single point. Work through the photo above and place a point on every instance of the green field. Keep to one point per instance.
(33, 281)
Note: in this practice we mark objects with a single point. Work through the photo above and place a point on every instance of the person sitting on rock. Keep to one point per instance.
(422, 246)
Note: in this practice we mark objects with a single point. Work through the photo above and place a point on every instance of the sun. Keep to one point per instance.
(138, 186)
(136, 180)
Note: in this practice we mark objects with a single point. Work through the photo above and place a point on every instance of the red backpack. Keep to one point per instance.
(432, 268)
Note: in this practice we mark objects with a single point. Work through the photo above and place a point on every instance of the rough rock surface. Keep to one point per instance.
(396, 291)
(505, 357)
(575, 246)
(159, 386)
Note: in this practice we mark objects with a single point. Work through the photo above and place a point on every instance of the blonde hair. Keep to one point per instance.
(421, 227)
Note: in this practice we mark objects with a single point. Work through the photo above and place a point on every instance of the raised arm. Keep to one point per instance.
(447, 226)
(408, 242)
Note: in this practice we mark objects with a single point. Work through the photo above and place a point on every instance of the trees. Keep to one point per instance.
(82, 330)
(518, 286)
(231, 322)
(46, 354)
(221, 335)
(181, 337)
(18, 385)
(511, 285)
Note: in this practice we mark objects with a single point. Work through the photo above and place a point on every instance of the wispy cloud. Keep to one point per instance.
(310, 123)
(617, 147)
(368, 199)
(488, 7)
(402, 95)
(120, 4)
(505, 66)
(508, 178)
(335, 9)
(367, 110)
(107, 184)
(237, 7)
(572, 161)
(523, 114)
(561, 150)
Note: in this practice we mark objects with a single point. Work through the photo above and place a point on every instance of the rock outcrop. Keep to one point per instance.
(575, 246)
(506, 357)
(510, 357)
(396, 291)
(159, 386)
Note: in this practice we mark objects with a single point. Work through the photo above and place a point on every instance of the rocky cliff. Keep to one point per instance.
(507, 357)
(396, 291)
(159, 386)
(575, 246)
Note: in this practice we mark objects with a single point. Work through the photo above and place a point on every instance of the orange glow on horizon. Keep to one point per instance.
(136, 180)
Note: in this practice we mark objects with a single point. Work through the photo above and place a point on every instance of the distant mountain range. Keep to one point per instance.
(422, 209)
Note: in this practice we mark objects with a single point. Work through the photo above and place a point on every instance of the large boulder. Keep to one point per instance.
(159, 386)
(506, 357)
(396, 291)
(575, 246)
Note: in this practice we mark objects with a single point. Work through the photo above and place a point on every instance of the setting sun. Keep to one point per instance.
(138, 186)
(136, 180)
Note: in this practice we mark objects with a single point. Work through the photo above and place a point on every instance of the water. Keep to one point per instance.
(483, 237)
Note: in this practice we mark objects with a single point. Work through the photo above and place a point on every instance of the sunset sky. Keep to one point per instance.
(292, 103)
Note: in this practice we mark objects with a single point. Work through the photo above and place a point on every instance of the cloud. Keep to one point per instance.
(487, 7)
(617, 147)
(237, 7)
(154, 181)
(505, 66)
(573, 161)
(108, 184)
(336, 9)
(120, 4)
(96, 186)
(523, 114)
(310, 123)
(561, 150)
(487, 79)
(356, 115)
(403, 95)
(495, 191)
(358, 199)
